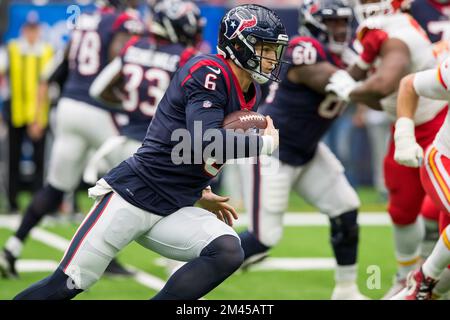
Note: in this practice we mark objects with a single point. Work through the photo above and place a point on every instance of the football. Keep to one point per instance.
(244, 120)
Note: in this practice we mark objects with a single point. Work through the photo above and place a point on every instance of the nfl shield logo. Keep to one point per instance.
(207, 104)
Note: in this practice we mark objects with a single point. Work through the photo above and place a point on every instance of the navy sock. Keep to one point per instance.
(57, 286)
(45, 201)
(344, 237)
(217, 261)
(251, 245)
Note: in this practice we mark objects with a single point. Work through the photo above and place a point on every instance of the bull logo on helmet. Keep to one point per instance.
(237, 23)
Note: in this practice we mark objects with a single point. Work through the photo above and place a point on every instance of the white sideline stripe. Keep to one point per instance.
(290, 219)
(294, 264)
(60, 243)
(36, 265)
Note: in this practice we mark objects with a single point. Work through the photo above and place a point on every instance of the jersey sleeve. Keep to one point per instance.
(206, 94)
(443, 74)
(128, 24)
(305, 51)
(206, 84)
(133, 40)
(186, 55)
(371, 41)
(434, 83)
(206, 90)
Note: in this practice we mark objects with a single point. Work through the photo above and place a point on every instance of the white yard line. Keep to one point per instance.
(295, 264)
(36, 265)
(294, 219)
(147, 279)
(286, 264)
(269, 264)
(60, 243)
(304, 219)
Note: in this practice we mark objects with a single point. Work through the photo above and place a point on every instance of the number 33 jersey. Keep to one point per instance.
(301, 114)
(148, 65)
(89, 46)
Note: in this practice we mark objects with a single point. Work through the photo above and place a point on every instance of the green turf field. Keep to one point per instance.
(376, 253)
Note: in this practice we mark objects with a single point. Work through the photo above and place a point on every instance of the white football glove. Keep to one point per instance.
(407, 151)
(341, 84)
(271, 141)
(271, 138)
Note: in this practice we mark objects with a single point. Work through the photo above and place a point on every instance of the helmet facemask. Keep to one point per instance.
(338, 38)
(257, 54)
(266, 59)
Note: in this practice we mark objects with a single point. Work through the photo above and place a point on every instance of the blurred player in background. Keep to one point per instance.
(434, 17)
(149, 198)
(303, 111)
(393, 45)
(82, 123)
(429, 281)
(144, 69)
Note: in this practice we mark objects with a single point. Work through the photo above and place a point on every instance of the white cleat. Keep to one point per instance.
(347, 291)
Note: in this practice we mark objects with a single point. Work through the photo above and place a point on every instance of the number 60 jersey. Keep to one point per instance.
(301, 114)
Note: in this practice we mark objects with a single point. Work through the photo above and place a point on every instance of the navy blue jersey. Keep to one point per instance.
(433, 18)
(301, 114)
(148, 65)
(88, 49)
(200, 95)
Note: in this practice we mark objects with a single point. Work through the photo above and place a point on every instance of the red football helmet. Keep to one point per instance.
(369, 8)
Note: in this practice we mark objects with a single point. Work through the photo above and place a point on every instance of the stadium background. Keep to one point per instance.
(299, 268)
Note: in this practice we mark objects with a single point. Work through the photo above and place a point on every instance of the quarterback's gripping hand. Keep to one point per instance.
(218, 205)
(341, 84)
(407, 151)
(270, 138)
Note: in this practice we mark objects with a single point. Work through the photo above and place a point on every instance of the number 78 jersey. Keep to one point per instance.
(89, 46)
(302, 114)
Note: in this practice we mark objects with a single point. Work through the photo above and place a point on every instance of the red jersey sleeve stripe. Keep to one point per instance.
(441, 80)
(120, 20)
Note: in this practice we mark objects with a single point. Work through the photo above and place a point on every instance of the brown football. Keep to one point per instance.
(244, 119)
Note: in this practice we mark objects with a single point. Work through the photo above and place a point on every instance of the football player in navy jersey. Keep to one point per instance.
(83, 123)
(303, 112)
(144, 69)
(433, 16)
(150, 197)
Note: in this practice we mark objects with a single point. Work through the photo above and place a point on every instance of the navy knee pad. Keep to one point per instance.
(226, 251)
(217, 261)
